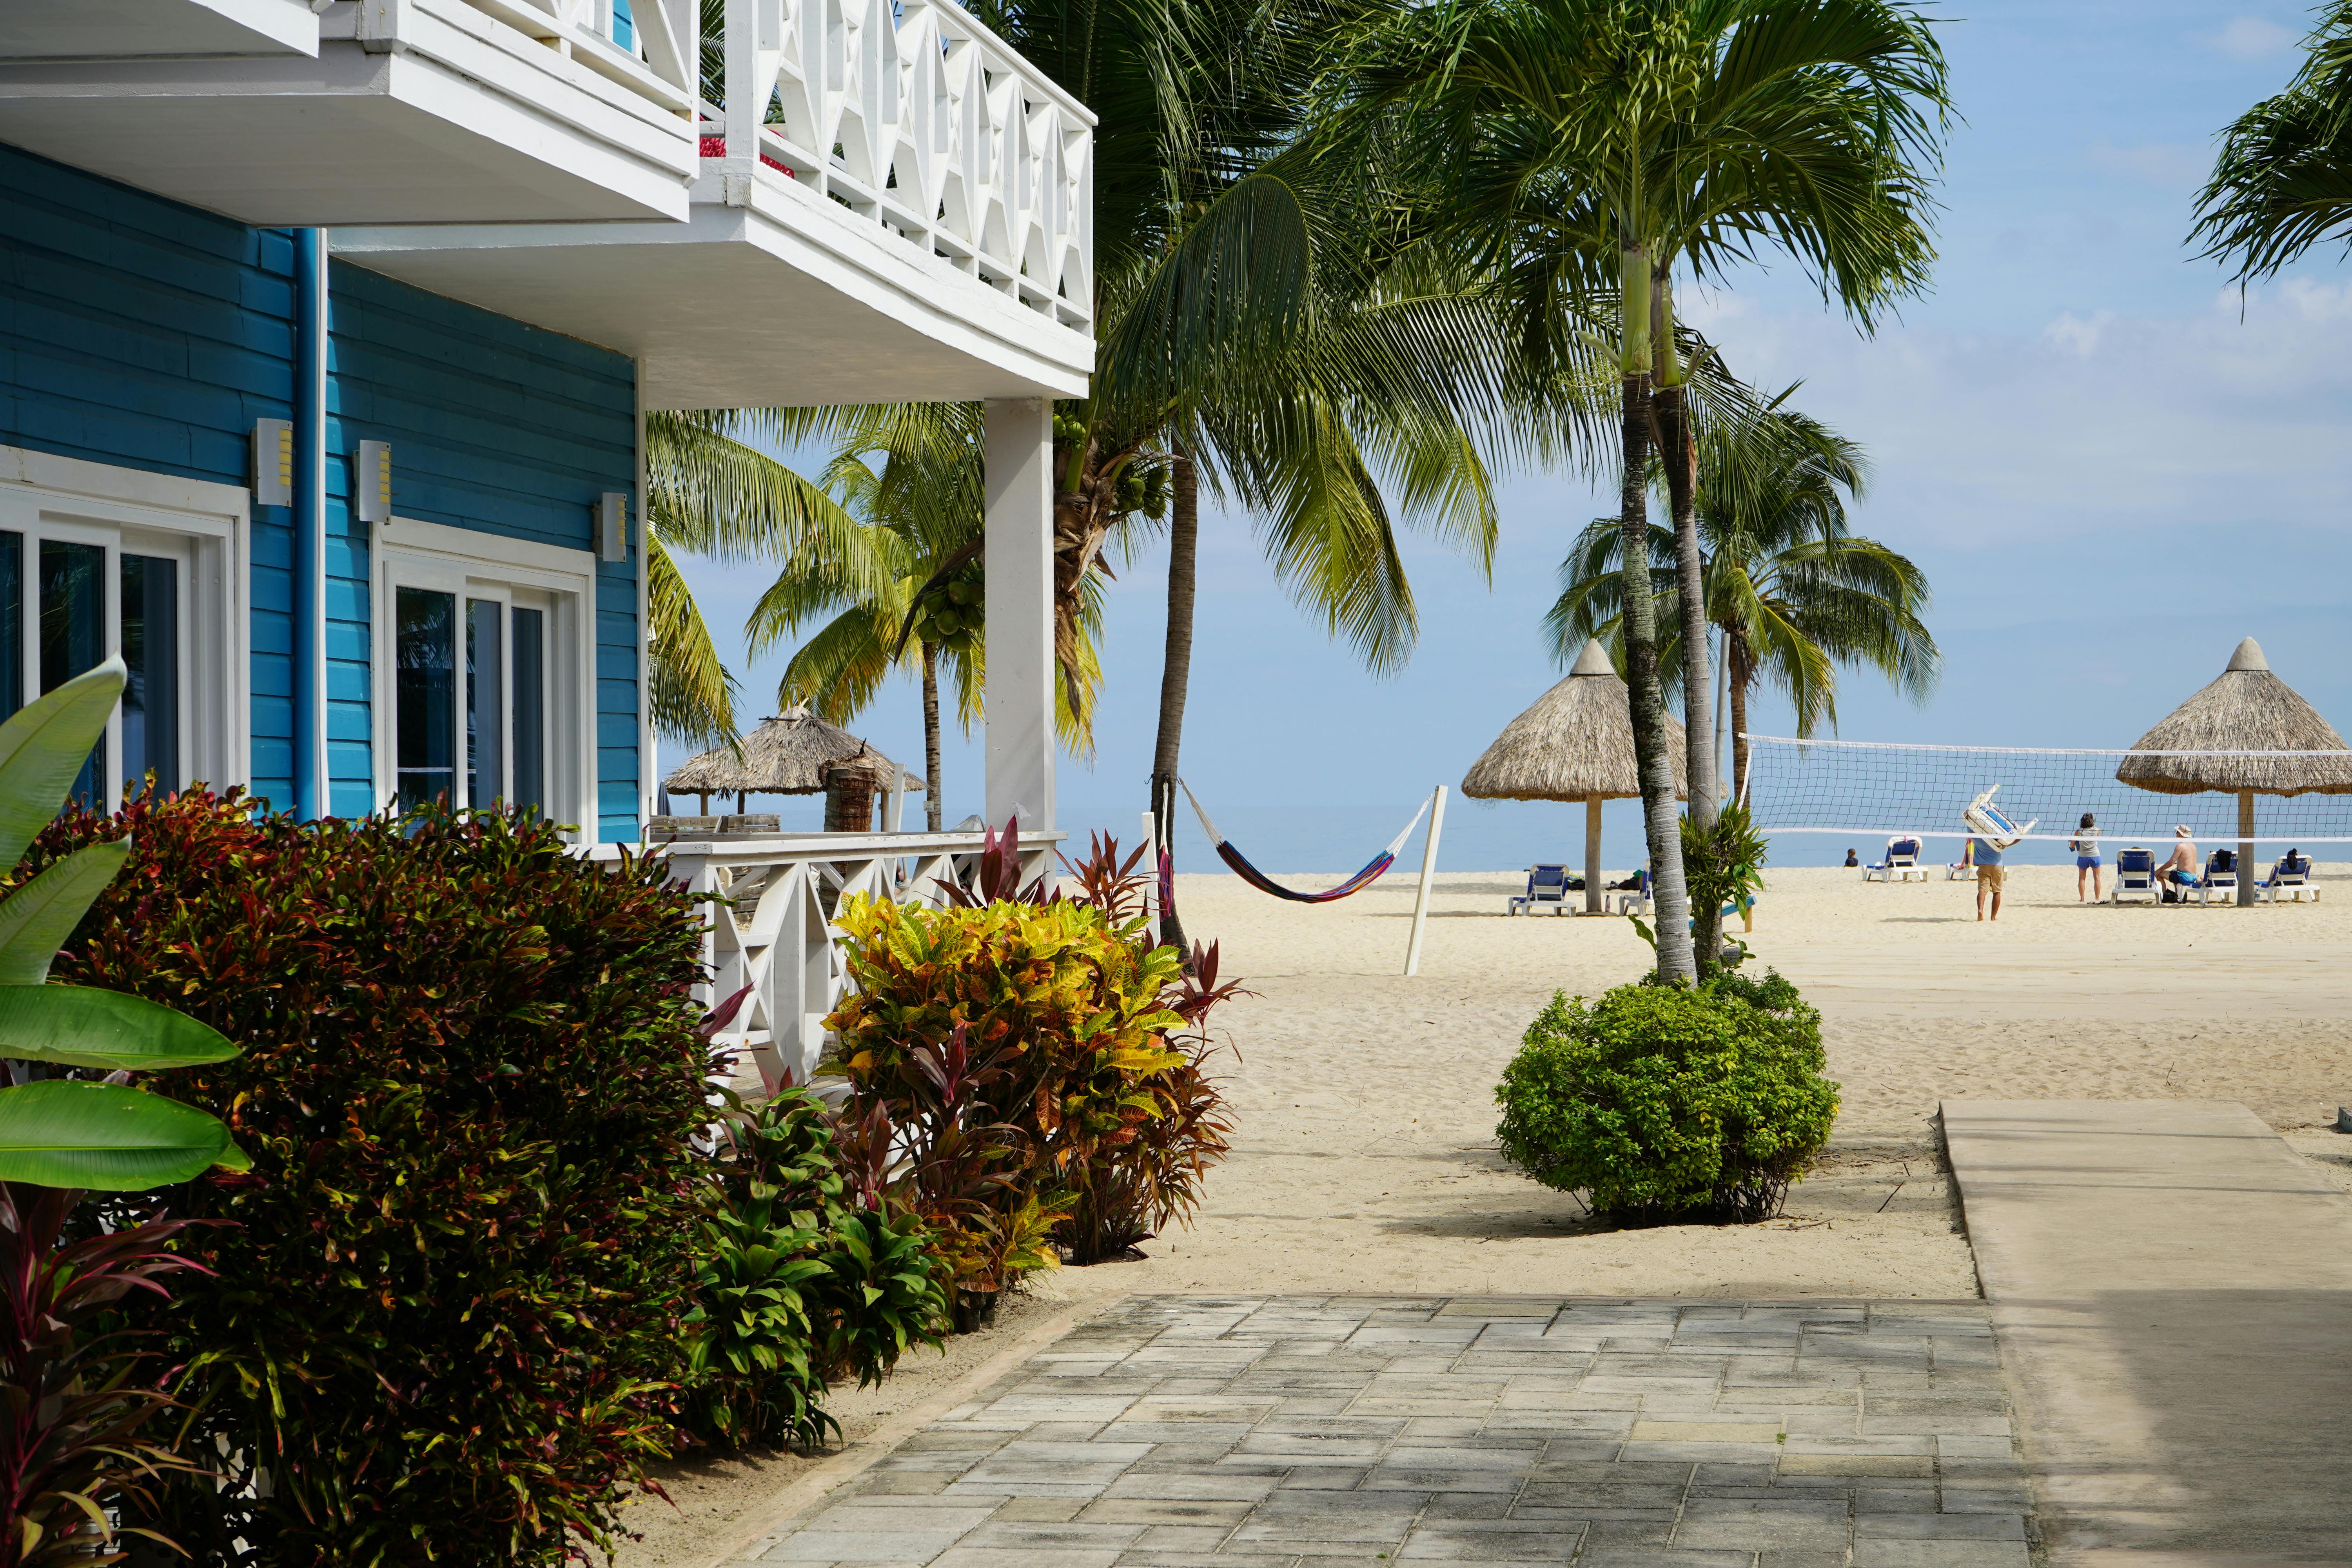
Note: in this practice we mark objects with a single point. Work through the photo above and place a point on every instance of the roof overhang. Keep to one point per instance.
(769, 296)
(126, 29)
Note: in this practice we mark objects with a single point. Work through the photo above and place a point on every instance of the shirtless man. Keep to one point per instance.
(2182, 869)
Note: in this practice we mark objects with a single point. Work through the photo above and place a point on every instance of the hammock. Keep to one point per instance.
(1266, 884)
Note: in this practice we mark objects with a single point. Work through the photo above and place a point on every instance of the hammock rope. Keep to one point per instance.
(1266, 884)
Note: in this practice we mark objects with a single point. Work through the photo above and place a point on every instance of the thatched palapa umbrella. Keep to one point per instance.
(1575, 743)
(795, 753)
(2245, 708)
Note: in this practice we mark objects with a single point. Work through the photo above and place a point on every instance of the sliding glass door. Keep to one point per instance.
(68, 598)
(474, 733)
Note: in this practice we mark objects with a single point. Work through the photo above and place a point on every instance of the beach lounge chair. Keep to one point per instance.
(1636, 902)
(2135, 876)
(2290, 876)
(1547, 884)
(2220, 877)
(1992, 824)
(1960, 871)
(1901, 864)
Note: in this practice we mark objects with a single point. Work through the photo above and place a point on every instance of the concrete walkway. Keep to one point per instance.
(2172, 1290)
(1191, 1432)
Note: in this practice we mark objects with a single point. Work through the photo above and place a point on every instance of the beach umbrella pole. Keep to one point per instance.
(2245, 847)
(1428, 874)
(1592, 854)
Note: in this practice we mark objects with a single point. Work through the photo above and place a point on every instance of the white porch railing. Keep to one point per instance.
(769, 924)
(658, 61)
(914, 115)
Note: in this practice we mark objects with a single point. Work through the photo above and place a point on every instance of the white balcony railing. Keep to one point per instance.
(915, 116)
(769, 922)
(649, 51)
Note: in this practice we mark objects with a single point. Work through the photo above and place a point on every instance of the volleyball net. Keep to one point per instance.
(1866, 789)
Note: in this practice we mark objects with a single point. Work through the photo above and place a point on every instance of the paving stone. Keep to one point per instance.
(1940, 1554)
(1941, 1527)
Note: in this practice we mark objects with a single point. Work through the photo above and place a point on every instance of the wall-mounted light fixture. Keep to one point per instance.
(371, 481)
(613, 526)
(273, 462)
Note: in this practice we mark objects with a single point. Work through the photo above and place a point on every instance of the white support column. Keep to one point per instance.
(1018, 453)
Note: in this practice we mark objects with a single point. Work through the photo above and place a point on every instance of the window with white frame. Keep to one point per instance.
(92, 566)
(481, 686)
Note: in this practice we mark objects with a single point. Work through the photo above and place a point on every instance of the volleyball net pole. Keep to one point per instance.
(1428, 875)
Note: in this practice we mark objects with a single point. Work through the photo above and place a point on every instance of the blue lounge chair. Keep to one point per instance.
(2290, 876)
(1547, 884)
(2135, 876)
(1631, 901)
(1901, 864)
(2221, 876)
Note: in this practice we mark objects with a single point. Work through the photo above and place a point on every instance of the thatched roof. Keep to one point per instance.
(1575, 743)
(2246, 709)
(793, 755)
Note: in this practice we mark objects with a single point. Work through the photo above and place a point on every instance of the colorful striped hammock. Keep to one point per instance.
(1266, 884)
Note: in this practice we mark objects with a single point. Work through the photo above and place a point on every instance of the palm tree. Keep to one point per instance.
(1792, 592)
(1582, 148)
(911, 477)
(2283, 183)
(710, 493)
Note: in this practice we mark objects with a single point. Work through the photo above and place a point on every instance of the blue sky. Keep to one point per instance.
(2108, 470)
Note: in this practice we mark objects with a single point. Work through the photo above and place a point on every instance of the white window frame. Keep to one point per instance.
(458, 561)
(207, 527)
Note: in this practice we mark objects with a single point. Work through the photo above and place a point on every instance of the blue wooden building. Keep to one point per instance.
(327, 332)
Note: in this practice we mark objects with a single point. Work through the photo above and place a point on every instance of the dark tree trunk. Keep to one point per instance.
(1651, 754)
(1735, 674)
(1175, 674)
(932, 798)
(1681, 462)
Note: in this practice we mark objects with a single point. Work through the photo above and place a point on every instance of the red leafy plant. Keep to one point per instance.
(78, 1390)
(1041, 1054)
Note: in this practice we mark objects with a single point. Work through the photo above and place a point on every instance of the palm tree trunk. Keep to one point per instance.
(932, 814)
(1736, 656)
(1650, 753)
(1680, 454)
(1175, 675)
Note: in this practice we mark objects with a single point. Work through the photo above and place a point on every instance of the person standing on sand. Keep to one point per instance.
(1990, 873)
(2086, 858)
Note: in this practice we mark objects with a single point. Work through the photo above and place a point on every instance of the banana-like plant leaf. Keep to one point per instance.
(82, 1027)
(42, 746)
(107, 1137)
(35, 919)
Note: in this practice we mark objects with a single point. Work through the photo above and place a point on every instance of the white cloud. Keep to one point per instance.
(2169, 163)
(2249, 39)
(2077, 335)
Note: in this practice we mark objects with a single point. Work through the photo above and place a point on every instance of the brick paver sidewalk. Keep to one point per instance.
(1185, 1431)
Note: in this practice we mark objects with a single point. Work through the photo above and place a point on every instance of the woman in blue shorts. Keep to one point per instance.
(2085, 845)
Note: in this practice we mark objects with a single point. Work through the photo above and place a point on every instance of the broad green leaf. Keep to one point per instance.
(107, 1137)
(35, 919)
(42, 746)
(81, 1026)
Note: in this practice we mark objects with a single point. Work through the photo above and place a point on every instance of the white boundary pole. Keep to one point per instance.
(1152, 870)
(1428, 873)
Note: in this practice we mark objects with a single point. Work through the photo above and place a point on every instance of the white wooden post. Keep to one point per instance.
(1018, 455)
(1152, 868)
(1428, 873)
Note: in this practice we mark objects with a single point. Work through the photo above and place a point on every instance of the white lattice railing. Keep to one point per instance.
(647, 46)
(769, 924)
(914, 115)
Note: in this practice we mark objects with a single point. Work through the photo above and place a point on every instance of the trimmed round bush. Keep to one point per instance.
(1671, 1103)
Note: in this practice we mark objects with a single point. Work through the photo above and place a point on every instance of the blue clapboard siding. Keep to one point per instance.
(496, 426)
(149, 335)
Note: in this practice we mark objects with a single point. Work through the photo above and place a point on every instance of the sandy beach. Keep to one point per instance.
(1363, 1101)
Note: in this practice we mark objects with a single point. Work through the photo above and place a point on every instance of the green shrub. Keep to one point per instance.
(452, 1286)
(1671, 1103)
(1041, 1059)
(795, 1287)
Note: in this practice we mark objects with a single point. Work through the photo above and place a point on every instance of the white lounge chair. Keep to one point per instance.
(1992, 824)
(2220, 877)
(1547, 887)
(2135, 876)
(2291, 877)
(1902, 863)
(1633, 901)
